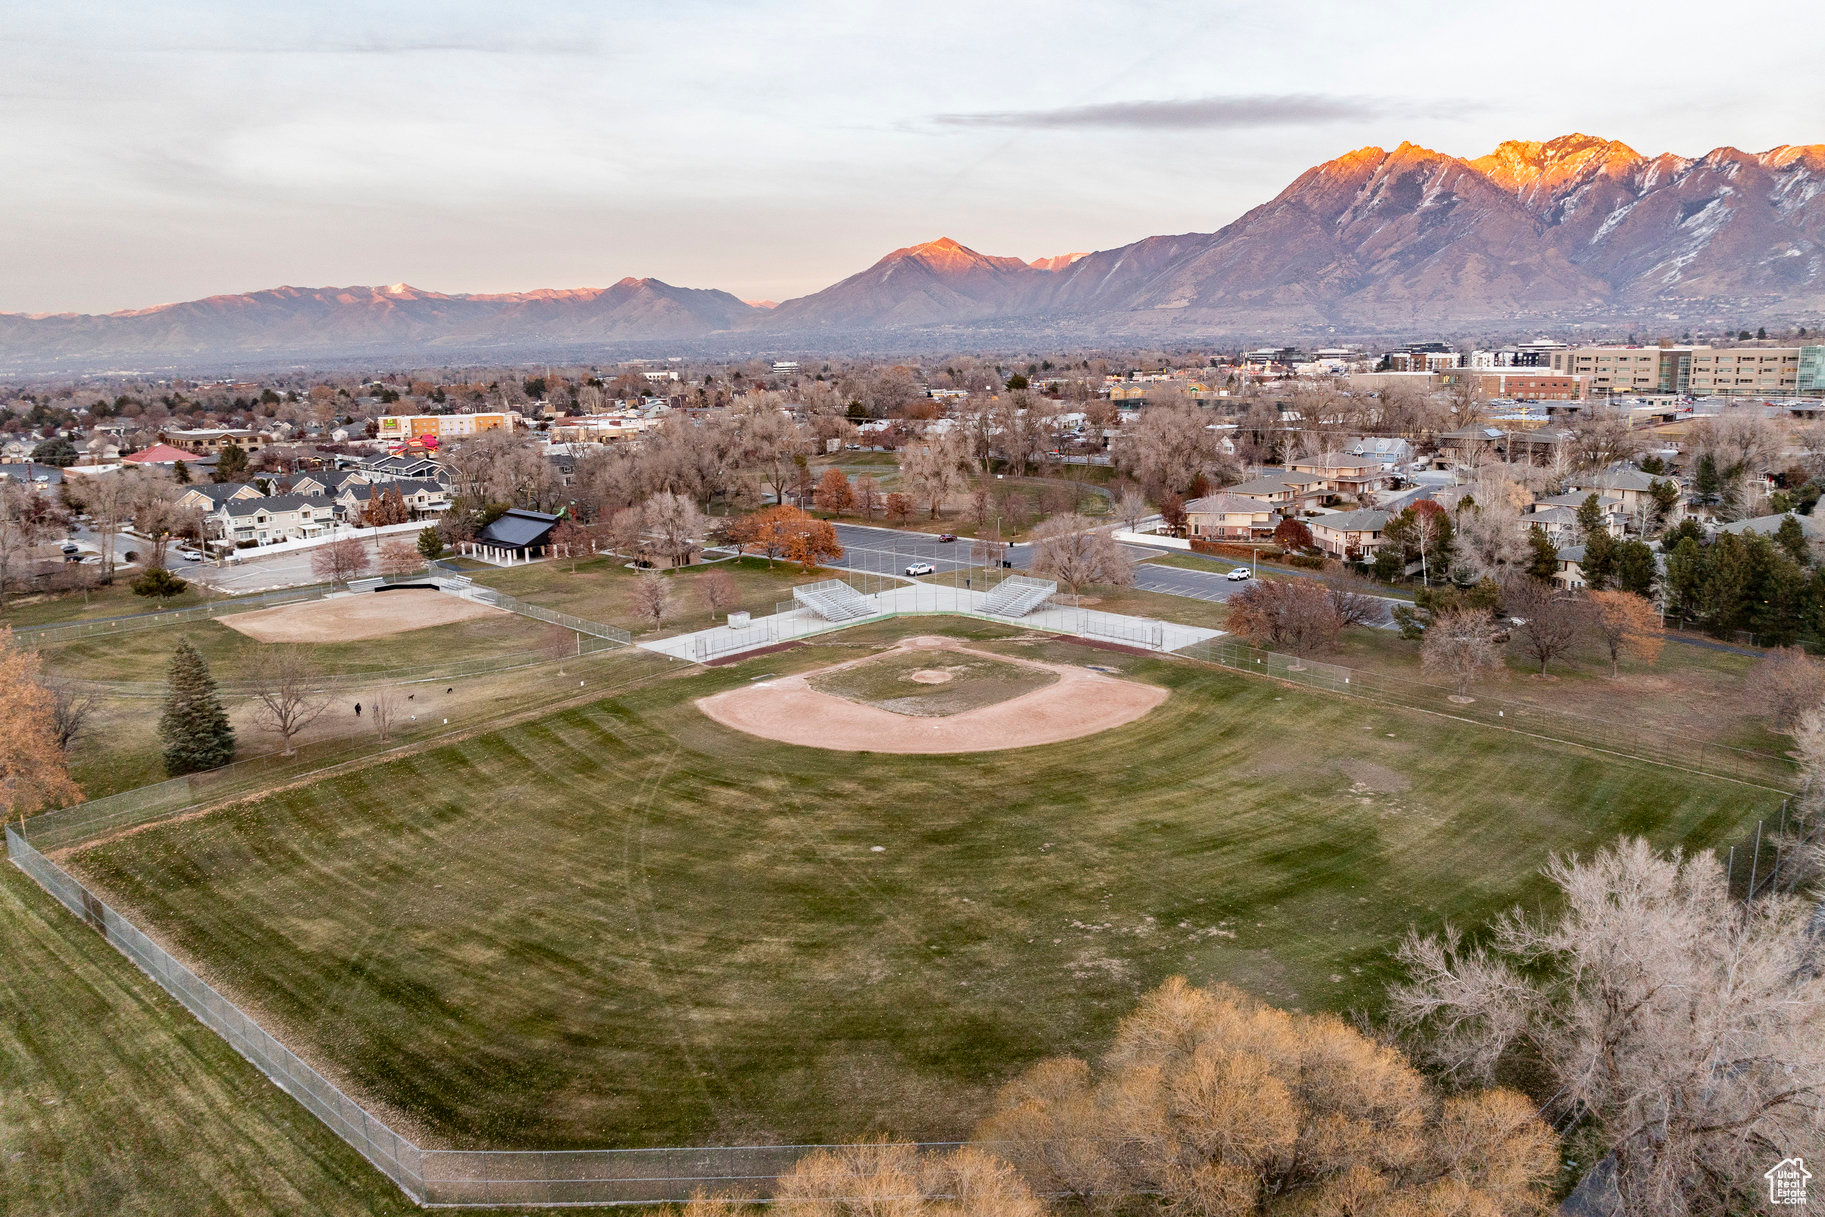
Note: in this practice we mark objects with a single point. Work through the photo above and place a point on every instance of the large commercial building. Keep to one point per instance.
(404, 428)
(1697, 371)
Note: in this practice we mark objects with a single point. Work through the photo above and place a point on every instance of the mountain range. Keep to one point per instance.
(1574, 231)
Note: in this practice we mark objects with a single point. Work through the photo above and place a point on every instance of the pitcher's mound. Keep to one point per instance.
(352, 618)
(1050, 702)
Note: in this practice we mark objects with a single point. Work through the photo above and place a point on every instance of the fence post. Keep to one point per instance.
(1755, 861)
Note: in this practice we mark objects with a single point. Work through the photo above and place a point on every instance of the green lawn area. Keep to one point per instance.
(113, 1099)
(115, 600)
(602, 589)
(623, 924)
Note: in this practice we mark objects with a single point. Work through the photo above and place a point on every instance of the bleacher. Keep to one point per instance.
(366, 585)
(834, 600)
(1017, 595)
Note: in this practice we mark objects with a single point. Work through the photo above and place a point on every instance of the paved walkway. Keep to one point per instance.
(721, 641)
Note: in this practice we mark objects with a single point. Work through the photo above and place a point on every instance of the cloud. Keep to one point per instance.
(1184, 114)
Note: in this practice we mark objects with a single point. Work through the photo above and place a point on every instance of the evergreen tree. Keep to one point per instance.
(1632, 568)
(231, 463)
(1707, 483)
(430, 543)
(1685, 574)
(194, 727)
(1543, 555)
(1599, 564)
(180, 473)
(1590, 518)
(1792, 540)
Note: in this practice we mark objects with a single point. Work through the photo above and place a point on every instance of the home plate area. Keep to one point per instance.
(933, 695)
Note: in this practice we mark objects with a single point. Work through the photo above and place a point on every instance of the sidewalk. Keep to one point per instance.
(922, 599)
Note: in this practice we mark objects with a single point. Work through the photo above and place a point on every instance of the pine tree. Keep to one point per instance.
(1542, 555)
(194, 726)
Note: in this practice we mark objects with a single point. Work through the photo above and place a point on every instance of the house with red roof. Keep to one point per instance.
(160, 454)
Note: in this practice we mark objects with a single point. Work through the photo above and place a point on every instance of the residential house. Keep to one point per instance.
(1570, 573)
(1350, 535)
(421, 496)
(1557, 514)
(1345, 477)
(280, 517)
(1230, 517)
(404, 466)
(329, 482)
(1392, 451)
(1767, 526)
(207, 496)
(1633, 487)
(1288, 493)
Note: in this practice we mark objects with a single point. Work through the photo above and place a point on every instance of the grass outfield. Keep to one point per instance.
(113, 1099)
(625, 925)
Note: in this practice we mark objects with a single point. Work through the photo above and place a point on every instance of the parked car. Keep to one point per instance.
(921, 568)
(946, 536)
(70, 547)
(1239, 574)
(189, 555)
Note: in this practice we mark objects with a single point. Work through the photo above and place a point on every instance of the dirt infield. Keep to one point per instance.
(1080, 702)
(352, 618)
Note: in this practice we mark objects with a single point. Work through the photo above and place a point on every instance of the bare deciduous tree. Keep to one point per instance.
(1219, 1105)
(1074, 551)
(340, 561)
(70, 712)
(400, 558)
(285, 688)
(1298, 614)
(384, 710)
(1549, 618)
(1166, 448)
(652, 600)
(1788, 682)
(676, 526)
(1690, 1030)
(719, 592)
(934, 468)
(867, 497)
(26, 522)
(1460, 645)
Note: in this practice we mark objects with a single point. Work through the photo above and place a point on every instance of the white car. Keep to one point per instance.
(1238, 575)
(921, 568)
(189, 555)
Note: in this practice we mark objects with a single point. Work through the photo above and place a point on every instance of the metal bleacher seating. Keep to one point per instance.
(834, 600)
(1017, 595)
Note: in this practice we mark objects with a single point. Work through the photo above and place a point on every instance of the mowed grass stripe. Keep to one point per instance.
(623, 924)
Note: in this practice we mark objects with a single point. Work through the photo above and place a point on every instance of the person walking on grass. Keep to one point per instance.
(357, 709)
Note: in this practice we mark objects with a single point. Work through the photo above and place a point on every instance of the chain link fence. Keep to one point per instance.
(459, 1178)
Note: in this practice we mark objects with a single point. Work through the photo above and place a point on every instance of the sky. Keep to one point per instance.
(172, 149)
